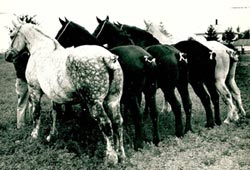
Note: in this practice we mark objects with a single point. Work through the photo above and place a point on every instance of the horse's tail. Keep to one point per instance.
(116, 77)
(234, 57)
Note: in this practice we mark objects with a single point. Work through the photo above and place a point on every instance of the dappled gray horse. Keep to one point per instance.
(89, 74)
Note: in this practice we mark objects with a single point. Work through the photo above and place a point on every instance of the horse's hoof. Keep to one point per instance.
(20, 125)
(209, 125)
(156, 141)
(235, 117)
(243, 112)
(227, 121)
(122, 158)
(34, 134)
(138, 145)
(179, 134)
(48, 139)
(218, 122)
(168, 107)
(111, 157)
(188, 130)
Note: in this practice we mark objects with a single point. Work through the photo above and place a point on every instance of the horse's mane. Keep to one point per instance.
(79, 27)
(140, 32)
(117, 30)
(55, 43)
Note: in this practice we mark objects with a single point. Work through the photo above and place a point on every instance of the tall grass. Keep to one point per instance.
(79, 144)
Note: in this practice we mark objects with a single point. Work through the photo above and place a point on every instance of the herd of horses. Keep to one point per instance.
(109, 70)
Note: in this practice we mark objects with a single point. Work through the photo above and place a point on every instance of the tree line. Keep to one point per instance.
(228, 36)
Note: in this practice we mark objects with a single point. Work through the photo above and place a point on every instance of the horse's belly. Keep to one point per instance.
(57, 86)
(60, 95)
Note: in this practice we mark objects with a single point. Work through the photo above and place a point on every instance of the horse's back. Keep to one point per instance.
(135, 67)
(222, 59)
(131, 57)
(89, 51)
(167, 63)
(163, 54)
(83, 69)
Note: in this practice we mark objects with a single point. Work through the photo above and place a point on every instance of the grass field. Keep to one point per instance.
(79, 143)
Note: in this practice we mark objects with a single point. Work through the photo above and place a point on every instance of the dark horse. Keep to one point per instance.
(201, 68)
(137, 65)
(168, 71)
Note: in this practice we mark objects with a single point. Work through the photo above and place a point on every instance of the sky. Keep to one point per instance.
(180, 17)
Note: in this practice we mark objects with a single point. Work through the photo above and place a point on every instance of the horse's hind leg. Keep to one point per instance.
(104, 123)
(35, 96)
(235, 91)
(112, 107)
(227, 98)
(176, 106)
(205, 100)
(54, 112)
(187, 104)
(215, 99)
(150, 98)
(134, 107)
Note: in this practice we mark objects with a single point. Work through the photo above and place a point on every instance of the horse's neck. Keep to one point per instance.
(119, 40)
(37, 43)
(90, 39)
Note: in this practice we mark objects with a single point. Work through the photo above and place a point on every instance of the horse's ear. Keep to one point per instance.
(66, 19)
(98, 20)
(115, 23)
(107, 18)
(118, 24)
(61, 21)
(146, 23)
(16, 23)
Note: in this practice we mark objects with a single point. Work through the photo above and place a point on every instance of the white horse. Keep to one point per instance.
(226, 63)
(89, 74)
(154, 29)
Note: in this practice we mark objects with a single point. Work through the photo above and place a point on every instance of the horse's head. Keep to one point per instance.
(108, 33)
(18, 45)
(64, 31)
(72, 34)
(152, 28)
(159, 32)
(102, 31)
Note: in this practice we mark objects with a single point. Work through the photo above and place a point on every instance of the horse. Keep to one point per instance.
(199, 60)
(168, 60)
(159, 34)
(226, 63)
(89, 74)
(137, 65)
(72, 28)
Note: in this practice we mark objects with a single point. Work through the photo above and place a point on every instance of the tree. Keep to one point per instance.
(211, 34)
(228, 36)
(246, 34)
(238, 29)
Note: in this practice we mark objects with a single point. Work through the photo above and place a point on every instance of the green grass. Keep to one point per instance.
(79, 144)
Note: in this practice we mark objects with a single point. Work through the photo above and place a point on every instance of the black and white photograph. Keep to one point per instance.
(125, 85)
